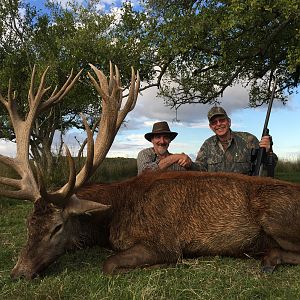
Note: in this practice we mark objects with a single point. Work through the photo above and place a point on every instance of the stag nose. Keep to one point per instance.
(17, 273)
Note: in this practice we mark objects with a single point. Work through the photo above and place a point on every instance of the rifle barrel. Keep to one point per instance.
(269, 108)
(261, 153)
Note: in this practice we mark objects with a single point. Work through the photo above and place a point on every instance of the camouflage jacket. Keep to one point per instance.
(148, 160)
(236, 158)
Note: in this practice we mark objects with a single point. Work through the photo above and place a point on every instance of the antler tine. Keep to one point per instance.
(115, 89)
(101, 87)
(60, 197)
(34, 100)
(111, 77)
(25, 187)
(10, 105)
(132, 97)
(23, 192)
(57, 96)
(88, 167)
(30, 92)
(118, 90)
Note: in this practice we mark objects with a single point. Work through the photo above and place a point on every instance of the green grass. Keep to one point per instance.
(78, 275)
(288, 170)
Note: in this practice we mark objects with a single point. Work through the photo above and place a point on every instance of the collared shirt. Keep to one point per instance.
(236, 158)
(147, 159)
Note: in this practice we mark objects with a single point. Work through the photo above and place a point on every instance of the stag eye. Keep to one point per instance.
(56, 230)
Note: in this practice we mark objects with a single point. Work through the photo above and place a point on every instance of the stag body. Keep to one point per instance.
(160, 218)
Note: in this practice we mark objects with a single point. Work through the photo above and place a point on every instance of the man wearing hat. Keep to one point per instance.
(227, 150)
(158, 157)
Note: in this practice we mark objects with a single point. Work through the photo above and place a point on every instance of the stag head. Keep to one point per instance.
(60, 220)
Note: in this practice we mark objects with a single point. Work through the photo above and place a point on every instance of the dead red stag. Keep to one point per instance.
(159, 217)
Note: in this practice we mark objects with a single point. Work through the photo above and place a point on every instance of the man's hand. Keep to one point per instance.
(184, 160)
(181, 159)
(265, 142)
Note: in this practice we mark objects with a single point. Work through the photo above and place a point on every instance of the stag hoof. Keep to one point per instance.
(109, 266)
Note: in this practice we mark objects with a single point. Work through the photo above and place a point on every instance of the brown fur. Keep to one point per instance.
(175, 214)
(160, 217)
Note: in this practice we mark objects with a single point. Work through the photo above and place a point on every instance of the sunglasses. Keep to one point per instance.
(218, 120)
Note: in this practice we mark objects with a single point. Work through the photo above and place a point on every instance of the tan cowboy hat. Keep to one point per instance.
(160, 128)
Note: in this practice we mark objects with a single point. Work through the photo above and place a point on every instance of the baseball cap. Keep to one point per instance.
(216, 111)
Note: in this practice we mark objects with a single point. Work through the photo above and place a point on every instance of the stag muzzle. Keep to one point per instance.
(28, 268)
(23, 270)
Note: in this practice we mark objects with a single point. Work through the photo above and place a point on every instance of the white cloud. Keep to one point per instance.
(150, 108)
(7, 148)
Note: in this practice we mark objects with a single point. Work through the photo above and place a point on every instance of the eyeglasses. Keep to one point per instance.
(218, 120)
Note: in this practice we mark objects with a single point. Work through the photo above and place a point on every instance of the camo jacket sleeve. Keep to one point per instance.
(202, 157)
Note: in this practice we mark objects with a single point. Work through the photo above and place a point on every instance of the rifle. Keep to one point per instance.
(262, 156)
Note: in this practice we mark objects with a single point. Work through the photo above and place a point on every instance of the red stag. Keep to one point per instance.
(160, 217)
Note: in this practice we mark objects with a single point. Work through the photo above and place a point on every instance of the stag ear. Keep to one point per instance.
(76, 206)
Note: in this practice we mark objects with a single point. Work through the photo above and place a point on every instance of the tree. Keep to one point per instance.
(191, 50)
(212, 45)
(66, 38)
(62, 39)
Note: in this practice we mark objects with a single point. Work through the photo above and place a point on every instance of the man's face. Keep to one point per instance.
(220, 125)
(161, 143)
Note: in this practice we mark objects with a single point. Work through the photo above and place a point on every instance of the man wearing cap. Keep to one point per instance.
(227, 150)
(158, 157)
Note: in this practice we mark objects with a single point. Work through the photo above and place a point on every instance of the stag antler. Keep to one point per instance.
(26, 187)
(111, 119)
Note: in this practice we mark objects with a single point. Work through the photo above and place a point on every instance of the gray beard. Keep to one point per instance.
(162, 151)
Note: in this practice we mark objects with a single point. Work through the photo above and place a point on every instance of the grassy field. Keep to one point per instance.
(78, 275)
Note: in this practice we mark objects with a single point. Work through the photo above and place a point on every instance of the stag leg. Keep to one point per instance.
(136, 256)
(279, 256)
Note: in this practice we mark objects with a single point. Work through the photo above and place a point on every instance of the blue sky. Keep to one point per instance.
(192, 126)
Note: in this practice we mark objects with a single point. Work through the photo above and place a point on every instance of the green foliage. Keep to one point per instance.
(212, 45)
(115, 169)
